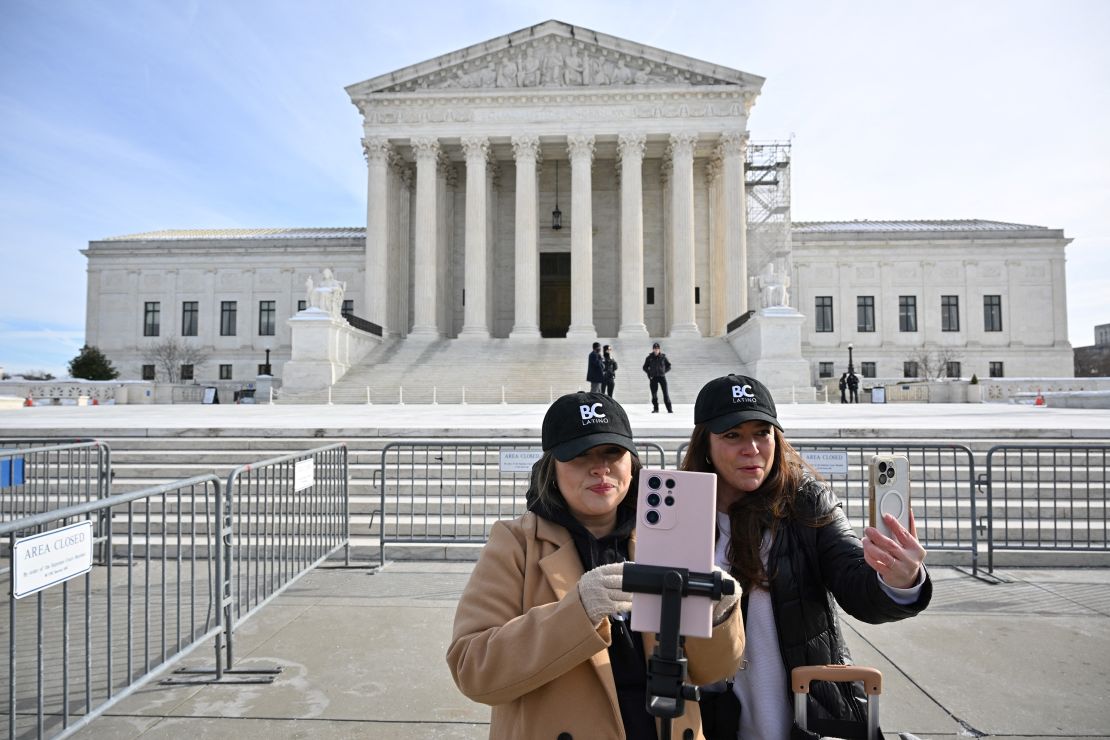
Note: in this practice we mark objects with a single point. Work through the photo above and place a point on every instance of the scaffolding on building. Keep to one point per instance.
(767, 183)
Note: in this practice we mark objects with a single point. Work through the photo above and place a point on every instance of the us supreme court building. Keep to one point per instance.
(560, 182)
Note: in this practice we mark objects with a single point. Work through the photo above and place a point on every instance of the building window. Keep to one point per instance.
(148, 372)
(152, 321)
(825, 369)
(697, 295)
(995, 370)
(189, 312)
(992, 314)
(909, 369)
(824, 313)
(267, 318)
(301, 305)
(225, 372)
(952, 369)
(865, 313)
(227, 318)
(348, 309)
(868, 369)
(186, 372)
(651, 296)
(907, 314)
(949, 313)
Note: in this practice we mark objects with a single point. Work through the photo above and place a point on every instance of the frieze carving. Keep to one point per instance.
(510, 110)
(554, 62)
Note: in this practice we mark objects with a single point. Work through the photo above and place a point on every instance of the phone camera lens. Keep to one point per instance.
(653, 499)
(653, 482)
(652, 517)
(669, 501)
(882, 480)
(882, 467)
(670, 482)
(890, 474)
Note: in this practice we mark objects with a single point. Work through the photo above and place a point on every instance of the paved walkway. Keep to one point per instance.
(362, 657)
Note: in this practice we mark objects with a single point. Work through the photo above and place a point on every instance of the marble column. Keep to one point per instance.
(475, 323)
(682, 225)
(731, 150)
(581, 151)
(631, 148)
(425, 309)
(376, 272)
(526, 315)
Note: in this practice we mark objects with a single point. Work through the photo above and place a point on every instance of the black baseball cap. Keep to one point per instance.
(655, 345)
(733, 399)
(578, 421)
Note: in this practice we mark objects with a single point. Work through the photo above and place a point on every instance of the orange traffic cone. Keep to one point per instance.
(1040, 399)
(27, 401)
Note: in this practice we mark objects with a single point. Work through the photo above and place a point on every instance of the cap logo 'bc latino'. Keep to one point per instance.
(592, 414)
(742, 394)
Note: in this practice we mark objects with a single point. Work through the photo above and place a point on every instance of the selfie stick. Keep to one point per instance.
(667, 690)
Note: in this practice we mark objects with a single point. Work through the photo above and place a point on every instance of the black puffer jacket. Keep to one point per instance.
(809, 567)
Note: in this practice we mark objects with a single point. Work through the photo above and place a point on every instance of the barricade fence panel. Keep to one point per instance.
(1047, 497)
(282, 517)
(75, 647)
(440, 492)
(942, 490)
(37, 476)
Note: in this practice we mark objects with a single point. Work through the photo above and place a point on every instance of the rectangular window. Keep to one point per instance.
(301, 305)
(348, 309)
(189, 312)
(865, 313)
(949, 313)
(267, 318)
(952, 369)
(651, 296)
(697, 295)
(825, 369)
(152, 321)
(186, 372)
(909, 369)
(996, 370)
(225, 372)
(227, 318)
(907, 314)
(868, 369)
(992, 314)
(824, 313)
(148, 372)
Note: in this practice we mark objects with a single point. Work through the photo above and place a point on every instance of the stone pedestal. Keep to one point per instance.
(769, 346)
(324, 349)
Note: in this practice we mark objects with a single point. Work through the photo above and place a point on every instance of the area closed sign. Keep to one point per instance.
(47, 559)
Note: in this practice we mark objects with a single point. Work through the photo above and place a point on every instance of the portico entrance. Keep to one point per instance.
(554, 294)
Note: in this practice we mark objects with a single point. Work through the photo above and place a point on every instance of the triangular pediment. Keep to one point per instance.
(555, 55)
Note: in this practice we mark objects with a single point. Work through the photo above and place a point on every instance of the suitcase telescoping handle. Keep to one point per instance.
(872, 679)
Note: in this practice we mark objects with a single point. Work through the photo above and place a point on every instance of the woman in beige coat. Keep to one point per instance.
(541, 631)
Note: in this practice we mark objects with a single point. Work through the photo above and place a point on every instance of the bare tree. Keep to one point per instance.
(932, 364)
(170, 354)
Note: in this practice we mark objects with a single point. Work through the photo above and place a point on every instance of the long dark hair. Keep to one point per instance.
(767, 507)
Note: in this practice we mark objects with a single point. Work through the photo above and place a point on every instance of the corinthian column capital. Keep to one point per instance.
(682, 144)
(376, 149)
(579, 145)
(476, 149)
(631, 146)
(526, 147)
(732, 143)
(425, 148)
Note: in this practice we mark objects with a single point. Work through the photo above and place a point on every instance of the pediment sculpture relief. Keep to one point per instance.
(553, 63)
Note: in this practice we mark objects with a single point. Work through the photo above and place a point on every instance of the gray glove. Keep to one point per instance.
(722, 609)
(601, 593)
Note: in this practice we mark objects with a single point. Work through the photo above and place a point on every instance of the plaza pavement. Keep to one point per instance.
(1024, 654)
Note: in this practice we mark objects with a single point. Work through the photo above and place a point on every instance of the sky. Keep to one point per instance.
(124, 116)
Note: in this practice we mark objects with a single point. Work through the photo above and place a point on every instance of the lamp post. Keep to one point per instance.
(556, 215)
(851, 369)
(266, 367)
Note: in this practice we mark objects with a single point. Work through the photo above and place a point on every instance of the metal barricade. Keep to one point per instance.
(281, 518)
(942, 489)
(1047, 497)
(39, 475)
(76, 647)
(445, 491)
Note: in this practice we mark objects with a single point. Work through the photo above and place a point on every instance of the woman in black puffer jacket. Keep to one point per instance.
(783, 535)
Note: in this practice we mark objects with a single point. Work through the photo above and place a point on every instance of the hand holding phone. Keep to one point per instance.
(889, 485)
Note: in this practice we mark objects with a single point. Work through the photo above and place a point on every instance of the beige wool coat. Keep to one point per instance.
(522, 642)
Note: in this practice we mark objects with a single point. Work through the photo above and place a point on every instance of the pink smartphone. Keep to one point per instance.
(676, 520)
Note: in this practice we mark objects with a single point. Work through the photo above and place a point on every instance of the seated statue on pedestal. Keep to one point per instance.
(773, 286)
(327, 295)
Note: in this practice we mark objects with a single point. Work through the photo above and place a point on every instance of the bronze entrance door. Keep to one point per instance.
(554, 294)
